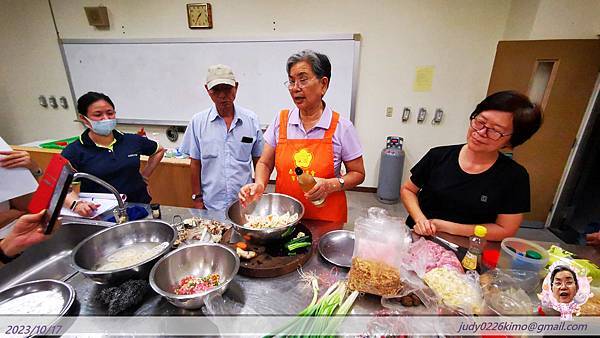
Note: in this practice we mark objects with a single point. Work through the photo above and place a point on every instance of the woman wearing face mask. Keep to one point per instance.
(109, 154)
(453, 188)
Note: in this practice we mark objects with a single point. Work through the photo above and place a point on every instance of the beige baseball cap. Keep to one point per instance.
(219, 74)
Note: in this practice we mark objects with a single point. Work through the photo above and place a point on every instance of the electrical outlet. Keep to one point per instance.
(52, 102)
(437, 116)
(405, 114)
(421, 115)
(389, 111)
(63, 102)
(42, 101)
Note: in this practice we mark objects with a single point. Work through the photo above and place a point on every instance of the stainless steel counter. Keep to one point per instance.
(281, 295)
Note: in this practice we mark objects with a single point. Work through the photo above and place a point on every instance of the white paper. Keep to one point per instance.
(106, 201)
(15, 182)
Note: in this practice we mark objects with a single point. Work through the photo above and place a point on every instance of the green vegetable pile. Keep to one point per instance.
(334, 304)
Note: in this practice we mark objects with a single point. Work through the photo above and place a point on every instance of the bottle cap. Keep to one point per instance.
(490, 258)
(480, 231)
(533, 254)
(298, 171)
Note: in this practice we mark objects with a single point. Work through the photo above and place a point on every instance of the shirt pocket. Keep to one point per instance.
(210, 149)
(242, 152)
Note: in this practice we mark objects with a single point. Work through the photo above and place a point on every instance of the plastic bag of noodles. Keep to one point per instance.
(380, 243)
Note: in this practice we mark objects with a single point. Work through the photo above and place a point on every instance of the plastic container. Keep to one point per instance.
(525, 257)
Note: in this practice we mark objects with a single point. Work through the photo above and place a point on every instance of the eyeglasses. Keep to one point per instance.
(302, 83)
(479, 124)
(568, 283)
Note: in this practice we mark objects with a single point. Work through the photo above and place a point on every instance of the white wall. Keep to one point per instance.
(31, 65)
(553, 19)
(458, 37)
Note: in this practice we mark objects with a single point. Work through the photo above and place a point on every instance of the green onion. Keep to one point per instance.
(298, 240)
(333, 299)
(295, 246)
(288, 232)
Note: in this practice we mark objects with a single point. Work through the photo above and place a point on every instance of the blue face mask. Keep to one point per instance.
(103, 127)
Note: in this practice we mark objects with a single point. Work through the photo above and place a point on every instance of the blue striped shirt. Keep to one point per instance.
(225, 155)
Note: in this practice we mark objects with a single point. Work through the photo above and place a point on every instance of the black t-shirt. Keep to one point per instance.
(449, 193)
(118, 165)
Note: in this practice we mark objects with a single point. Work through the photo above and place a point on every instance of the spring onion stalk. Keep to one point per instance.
(294, 246)
(341, 313)
(333, 303)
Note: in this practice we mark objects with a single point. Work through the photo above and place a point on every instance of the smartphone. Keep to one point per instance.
(52, 191)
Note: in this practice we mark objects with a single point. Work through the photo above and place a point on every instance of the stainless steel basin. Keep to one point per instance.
(49, 259)
(268, 204)
(92, 250)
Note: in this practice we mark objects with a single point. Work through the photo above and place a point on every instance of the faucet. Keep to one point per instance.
(120, 211)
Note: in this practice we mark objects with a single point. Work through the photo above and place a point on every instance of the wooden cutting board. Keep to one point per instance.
(271, 260)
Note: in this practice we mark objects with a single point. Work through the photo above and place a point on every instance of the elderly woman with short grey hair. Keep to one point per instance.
(312, 137)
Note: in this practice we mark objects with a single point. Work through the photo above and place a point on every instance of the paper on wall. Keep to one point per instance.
(14, 182)
(423, 79)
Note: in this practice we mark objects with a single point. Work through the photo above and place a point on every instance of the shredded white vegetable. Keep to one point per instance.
(270, 221)
(35, 303)
(131, 255)
(454, 290)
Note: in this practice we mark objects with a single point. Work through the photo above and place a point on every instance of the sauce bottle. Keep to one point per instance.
(476, 245)
(307, 182)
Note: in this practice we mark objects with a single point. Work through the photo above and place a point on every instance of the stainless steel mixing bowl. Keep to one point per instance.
(199, 260)
(270, 203)
(337, 247)
(88, 254)
(65, 290)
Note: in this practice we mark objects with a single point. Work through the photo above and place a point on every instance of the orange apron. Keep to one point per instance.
(315, 157)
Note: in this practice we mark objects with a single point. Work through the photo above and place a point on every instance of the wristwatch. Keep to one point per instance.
(196, 197)
(341, 180)
(4, 258)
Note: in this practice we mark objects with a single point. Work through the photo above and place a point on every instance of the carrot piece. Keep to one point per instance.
(241, 245)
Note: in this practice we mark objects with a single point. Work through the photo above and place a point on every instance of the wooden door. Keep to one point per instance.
(574, 67)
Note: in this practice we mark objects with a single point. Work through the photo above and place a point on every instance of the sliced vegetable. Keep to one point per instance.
(298, 240)
(295, 246)
(241, 245)
(288, 232)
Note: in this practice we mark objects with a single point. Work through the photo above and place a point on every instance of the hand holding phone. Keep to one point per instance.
(25, 233)
(51, 192)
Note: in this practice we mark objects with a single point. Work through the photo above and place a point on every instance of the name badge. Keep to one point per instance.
(247, 139)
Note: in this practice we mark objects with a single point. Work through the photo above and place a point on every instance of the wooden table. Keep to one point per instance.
(169, 184)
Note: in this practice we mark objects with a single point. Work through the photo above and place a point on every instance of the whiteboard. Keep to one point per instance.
(155, 81)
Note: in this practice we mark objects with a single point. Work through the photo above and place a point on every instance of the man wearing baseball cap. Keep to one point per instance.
(223, 141)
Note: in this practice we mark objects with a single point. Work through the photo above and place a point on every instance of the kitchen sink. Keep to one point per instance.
(49, 259)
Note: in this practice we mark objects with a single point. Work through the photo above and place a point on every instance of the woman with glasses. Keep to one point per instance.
(564, 284)
(109, 154)
(453, 188)
(315, 138)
